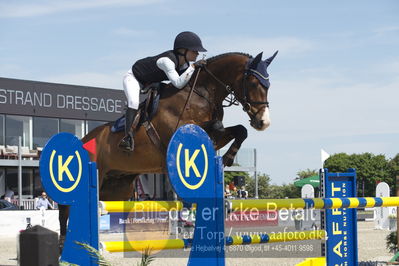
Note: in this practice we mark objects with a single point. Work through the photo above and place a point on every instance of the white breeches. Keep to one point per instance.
(132, 90)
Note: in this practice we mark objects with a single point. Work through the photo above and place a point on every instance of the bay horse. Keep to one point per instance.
(236, 76)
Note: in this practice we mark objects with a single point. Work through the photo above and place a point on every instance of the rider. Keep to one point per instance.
(172, 65)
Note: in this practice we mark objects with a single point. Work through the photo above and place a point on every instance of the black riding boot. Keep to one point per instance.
(127, 143)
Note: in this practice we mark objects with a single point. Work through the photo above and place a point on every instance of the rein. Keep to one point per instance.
(232, 98)
(188, 98)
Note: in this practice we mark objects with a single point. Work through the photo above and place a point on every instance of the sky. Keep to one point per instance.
(334, 83)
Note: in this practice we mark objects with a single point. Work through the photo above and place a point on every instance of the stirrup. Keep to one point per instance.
(127, 143)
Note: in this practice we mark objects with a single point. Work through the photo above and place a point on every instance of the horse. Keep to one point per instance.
(232, 77)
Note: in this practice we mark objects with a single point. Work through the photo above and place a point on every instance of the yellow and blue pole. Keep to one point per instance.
(317, 203)
(140, 206)
(259, 204)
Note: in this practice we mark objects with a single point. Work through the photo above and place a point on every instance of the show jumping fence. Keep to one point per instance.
(206, 191)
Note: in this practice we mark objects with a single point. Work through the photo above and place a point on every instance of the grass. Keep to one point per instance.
(146, 257)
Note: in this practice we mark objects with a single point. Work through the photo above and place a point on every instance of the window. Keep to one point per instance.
(72, 126)
(93, 124)
(17, 126)
(27, 181)
(2, 182)
(1, 129)
(37, 183)
(43, 130)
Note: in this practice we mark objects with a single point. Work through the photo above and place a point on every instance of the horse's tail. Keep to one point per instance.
(95, 132)
(91, 140)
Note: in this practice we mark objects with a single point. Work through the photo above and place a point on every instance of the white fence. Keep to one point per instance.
(12, 222)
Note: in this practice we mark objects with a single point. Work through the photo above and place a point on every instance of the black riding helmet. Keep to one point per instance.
(188, 40)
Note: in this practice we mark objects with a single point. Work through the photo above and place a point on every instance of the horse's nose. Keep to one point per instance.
(256, 123)
(260, 124)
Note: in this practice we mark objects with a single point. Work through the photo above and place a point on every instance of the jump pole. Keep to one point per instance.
(316, 203)
(140, 206)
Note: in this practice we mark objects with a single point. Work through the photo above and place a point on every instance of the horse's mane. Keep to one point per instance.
(210, 60)
(170, 90)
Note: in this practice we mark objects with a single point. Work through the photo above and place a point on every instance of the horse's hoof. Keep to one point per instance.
(227, 161)
(61, 241)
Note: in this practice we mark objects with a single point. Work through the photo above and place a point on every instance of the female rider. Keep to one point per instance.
(172, 65)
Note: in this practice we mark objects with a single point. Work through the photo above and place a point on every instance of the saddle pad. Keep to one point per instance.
(146, 115)
(119, 125)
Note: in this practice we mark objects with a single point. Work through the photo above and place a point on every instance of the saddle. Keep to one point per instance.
(147, 110)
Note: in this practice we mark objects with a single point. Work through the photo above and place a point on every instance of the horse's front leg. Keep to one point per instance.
(223, 137)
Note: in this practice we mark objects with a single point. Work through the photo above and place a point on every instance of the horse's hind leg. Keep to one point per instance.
(238, 133)
(117, 188)
(63, 214)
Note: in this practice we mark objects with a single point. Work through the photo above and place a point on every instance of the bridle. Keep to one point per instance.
(232, 98)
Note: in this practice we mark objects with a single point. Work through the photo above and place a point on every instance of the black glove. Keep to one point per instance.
(200, 63)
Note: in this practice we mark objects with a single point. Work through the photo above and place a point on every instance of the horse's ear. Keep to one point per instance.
(270, 59)
(256, 61)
